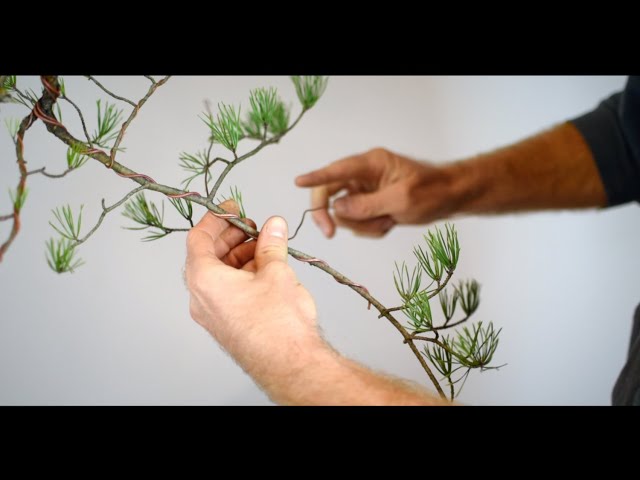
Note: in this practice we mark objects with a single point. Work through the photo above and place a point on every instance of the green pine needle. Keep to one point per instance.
(196, 165)
(184, 208)
(407, 284)
(18, 200)
(309, 89)
(280, 121)
(441, 358)
(63, 89)
(448, 303)
(475, 346)
(67, 227)
(61, 255)
(226, 128)
(75, 159)
(263, 103)
(237, 196)
(418, 310)
(12, 125)
(147, 215)
(431, 265)
(8, 82)
(252, 126)
(446, 251)
(468, 293)
(143, 212)
(108, 119)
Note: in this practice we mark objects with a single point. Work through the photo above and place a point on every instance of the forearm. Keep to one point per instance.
(321, 376)
(552, 170)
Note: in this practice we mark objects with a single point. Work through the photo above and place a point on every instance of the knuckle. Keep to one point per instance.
(377, 152)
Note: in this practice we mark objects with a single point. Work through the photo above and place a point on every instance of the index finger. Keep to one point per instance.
(346, 169)
(201, 248)
(201, 239)
(214, 226)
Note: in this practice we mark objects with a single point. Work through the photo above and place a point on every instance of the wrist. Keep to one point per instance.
(300, 377)
(458, 187)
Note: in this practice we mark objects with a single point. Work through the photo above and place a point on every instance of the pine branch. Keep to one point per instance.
(230, 166)
(21, 189)
(146, 183)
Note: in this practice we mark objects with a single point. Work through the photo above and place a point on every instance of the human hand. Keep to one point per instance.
(248, 298)
(383, 189)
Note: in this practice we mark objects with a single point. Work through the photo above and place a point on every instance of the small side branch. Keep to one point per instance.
(110, 93)
(50, 175)
(441, 285)
(105, 212)
(136, 108)
(263, 143)
(304, 214)
(84, 125)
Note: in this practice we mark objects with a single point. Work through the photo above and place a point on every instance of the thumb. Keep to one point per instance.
(272, 242)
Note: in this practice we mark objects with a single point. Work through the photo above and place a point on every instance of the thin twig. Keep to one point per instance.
(394, 309)
(442, 327)
(207, 167)
(136, 108)
(151, 79)
(84, 125)
(442, 285)
(6, 217)
(439, 343)
(50, 175)
(24, 98)
(106, 210)
(302, 220)
(117, 97)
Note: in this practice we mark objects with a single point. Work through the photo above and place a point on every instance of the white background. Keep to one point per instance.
(562, 286)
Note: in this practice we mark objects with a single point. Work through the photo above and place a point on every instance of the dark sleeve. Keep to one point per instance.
(612, 131)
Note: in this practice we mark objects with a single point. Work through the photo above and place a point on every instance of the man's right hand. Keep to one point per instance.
(383, 189)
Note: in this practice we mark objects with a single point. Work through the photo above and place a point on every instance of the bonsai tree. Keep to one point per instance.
(444, 341)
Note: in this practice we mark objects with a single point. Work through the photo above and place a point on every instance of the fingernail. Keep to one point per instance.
(326, 229)
(277, 227)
